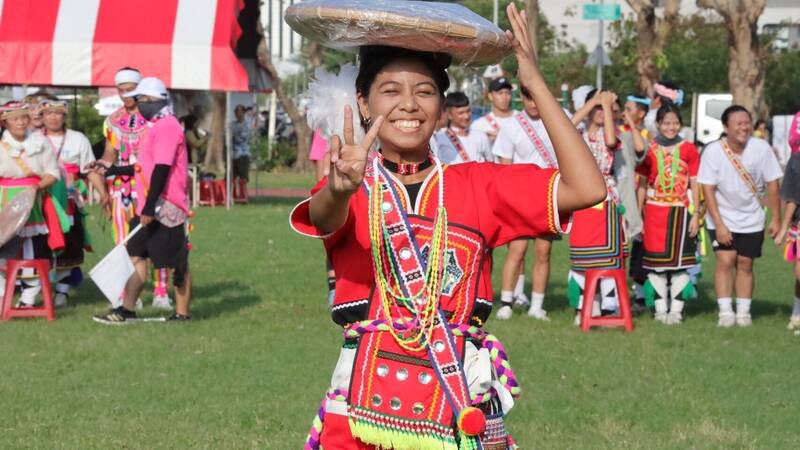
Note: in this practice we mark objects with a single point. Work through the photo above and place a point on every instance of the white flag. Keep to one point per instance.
(111, 274)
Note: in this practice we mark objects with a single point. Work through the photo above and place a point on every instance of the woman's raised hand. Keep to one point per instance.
(520, 41)
(348, 160)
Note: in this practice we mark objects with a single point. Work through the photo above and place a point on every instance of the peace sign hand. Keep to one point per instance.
(520, 41)
(349, 160)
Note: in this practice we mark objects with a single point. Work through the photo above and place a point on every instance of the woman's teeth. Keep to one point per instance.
(406, 124)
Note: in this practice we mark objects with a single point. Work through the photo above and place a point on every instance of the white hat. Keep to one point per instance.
(127, 75)
(150, 86)
(579, 96)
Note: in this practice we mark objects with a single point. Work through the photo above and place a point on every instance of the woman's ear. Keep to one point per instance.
(363, 108)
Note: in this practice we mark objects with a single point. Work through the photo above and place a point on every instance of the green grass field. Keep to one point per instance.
(250, 371)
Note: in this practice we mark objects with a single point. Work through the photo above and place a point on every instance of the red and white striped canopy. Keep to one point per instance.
(187, 43)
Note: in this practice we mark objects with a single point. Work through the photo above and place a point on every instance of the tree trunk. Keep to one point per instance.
(532, 11)
(301, 128)
(651, 34)
(215, 154)
(746, 70)
(315, 54)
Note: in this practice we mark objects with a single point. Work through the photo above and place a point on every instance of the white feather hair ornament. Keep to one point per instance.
(328, 94)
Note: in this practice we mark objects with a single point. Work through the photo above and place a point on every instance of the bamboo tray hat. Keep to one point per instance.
(415, 25)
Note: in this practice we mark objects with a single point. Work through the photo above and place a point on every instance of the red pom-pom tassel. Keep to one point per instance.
(471, 421)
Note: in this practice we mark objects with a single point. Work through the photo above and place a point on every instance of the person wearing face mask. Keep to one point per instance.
(163, 208)
(74, 154)
(670, 166)
(125, 132)
(456, 143)
(734, 174)
(27, 162)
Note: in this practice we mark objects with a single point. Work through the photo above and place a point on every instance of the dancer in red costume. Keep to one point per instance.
(411, 254)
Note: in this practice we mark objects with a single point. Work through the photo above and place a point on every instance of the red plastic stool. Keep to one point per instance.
(206, 193)
(42, 266)
(220, 192)
(592, 280)
(240, 190)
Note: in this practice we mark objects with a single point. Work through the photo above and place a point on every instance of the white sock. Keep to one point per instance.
(725, 305)
(743, 306)
(661, 306)
(676, 306)
(537, 299)
(506, 297)
(795, 310)
(520, 286)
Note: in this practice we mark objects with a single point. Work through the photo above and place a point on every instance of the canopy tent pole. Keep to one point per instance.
(229, 153)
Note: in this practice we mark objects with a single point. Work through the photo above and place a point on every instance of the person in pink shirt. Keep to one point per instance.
(160, 176)
(794, 134)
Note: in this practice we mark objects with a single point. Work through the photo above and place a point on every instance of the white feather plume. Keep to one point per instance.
(328, 94)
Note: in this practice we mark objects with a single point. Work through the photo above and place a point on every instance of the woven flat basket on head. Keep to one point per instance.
(425, 26)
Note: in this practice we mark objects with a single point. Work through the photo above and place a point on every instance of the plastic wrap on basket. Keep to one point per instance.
(15, 213)
(426, 26)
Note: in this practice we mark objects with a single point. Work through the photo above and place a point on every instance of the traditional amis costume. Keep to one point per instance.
(416, 369)
(74, 154)
(126, 131)
(669, 250)
(790, 193)
(597, 238)
(22, 164)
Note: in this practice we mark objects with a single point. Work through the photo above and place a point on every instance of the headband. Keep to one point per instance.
(642, 100)
(127, 76)
(676, 95)
(58, 105)
(13, 109)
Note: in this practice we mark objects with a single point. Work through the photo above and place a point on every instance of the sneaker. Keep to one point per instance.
(116, 316)
(794, 323)
(504, 313)
(538, 314)
(60, 300)
(674, 318)
(139, 304)
(179, 318)
(726, 320)
(162, 302)
(522, 300)
(744, 320)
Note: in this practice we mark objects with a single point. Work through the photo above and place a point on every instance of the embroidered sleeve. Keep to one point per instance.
(523, 201)
(300, 218)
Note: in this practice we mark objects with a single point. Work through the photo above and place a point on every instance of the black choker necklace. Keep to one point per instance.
(406, 168)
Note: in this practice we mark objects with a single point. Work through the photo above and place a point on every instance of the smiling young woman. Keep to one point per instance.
(409, 239)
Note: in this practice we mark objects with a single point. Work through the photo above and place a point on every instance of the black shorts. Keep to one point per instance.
(165, 247)
(744, 244)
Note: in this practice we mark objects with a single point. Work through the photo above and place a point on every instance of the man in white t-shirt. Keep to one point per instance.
(500, 97)
(524, 140)
(734, 173)
(456, 143)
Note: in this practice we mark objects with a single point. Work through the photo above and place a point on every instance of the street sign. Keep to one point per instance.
(598, 55)
(595, 11)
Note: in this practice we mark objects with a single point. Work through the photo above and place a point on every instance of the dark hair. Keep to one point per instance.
(726, 115)
(590, 94)
(189, 121)
(667, 108)
(373, 58)
(456, 100)
(525, 92)
(668, 85)
(760, 122)
(642, 107)
(128, 68)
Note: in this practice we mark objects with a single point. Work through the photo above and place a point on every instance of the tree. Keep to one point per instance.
(746, 72)
(301, 128)
(652, 33)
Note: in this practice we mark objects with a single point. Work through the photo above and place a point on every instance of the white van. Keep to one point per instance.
(707, 112)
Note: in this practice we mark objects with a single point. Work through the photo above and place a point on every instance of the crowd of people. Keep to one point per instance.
(141, 178)
(662, 192)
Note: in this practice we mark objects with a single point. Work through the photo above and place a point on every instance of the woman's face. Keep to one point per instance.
(597, 116)
(53, 119)
(670, 126)
(406, 95)
(17, 125)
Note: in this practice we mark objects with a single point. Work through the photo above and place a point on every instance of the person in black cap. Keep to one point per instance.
(500, 96)
(457, 143)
